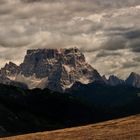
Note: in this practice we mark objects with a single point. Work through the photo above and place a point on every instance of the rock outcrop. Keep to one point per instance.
(10, 69)
(114, 81)
(56, 69)
(133, 80)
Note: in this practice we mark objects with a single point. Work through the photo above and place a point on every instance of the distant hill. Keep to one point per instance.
(122, 129)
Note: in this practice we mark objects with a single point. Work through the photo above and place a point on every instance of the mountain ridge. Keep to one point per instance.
(58, 70)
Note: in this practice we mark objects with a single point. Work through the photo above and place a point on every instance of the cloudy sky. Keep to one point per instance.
(107, 31)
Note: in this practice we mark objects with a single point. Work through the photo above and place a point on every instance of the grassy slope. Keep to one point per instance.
(121, 129)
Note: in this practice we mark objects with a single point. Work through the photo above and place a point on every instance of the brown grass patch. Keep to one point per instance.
(120, 129)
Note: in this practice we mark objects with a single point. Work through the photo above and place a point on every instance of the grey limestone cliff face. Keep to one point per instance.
(8, 74)
(60, 67)
(6, 81)
(56, 69)
(10, 69)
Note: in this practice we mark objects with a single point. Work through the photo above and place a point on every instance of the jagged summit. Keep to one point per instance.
(56, 69)
(133, 80)
(114, 80)
(54, 51)
(105, 79)
(133, 74)
(10, 69)
(42, 60)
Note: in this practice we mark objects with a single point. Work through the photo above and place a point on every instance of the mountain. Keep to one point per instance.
(5, 80)
(105, 79)
(10, 69)
(8, 73)
(114, 80)
(133, 80)
(56, 69)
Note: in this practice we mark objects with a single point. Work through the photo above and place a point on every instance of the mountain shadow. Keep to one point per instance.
(25, 111)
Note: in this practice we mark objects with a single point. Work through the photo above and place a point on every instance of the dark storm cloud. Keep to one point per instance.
(134, 45)
(137, 59)
(129, 65)
(104, 53)
(115, 43)
(121, 38)
(133, 34)
(136, 48)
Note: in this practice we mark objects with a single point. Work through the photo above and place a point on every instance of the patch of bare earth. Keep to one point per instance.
(120, 129)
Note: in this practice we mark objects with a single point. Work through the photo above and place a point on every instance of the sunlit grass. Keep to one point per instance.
(120, 129)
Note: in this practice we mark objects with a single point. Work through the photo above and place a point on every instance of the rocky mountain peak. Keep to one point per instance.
(41, 61)
(114, 80)
(133, 80)
(133, 74)
(10, 69)
(56, 69)
(105, 79)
